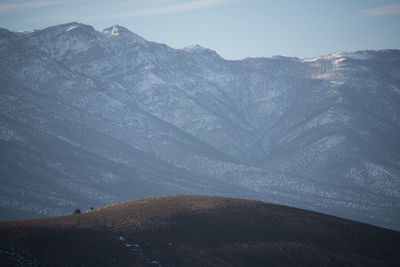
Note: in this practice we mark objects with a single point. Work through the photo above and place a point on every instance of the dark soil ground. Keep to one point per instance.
(196, 231)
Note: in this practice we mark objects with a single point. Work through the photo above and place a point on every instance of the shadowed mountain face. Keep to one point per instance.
(92, 117)
(196, 231)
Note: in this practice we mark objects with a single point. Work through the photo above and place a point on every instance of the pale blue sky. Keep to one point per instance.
(234, 28)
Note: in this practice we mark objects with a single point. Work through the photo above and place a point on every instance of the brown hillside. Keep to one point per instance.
(196, 231)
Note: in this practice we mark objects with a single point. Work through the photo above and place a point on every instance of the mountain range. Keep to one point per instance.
(90, 117)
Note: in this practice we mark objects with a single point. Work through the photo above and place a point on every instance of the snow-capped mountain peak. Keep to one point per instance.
(195, 47)
(357, 55)
(116, 30)
(198, 49)
(67, 27)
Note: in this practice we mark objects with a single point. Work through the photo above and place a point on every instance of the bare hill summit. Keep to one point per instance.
(196, 231)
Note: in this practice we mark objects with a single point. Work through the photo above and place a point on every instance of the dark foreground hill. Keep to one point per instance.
(196, 231)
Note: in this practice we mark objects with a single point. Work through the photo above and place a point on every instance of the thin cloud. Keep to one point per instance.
(217, 22)
(380, 11)
(4, 7)
(180, 7)
(171, 9)
(199, 27)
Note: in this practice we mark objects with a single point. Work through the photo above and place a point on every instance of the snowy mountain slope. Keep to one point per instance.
(82, 110)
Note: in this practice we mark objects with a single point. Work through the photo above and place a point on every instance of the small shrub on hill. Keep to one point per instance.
(77, 211)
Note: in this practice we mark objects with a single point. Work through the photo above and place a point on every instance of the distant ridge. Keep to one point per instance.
(196, 231)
